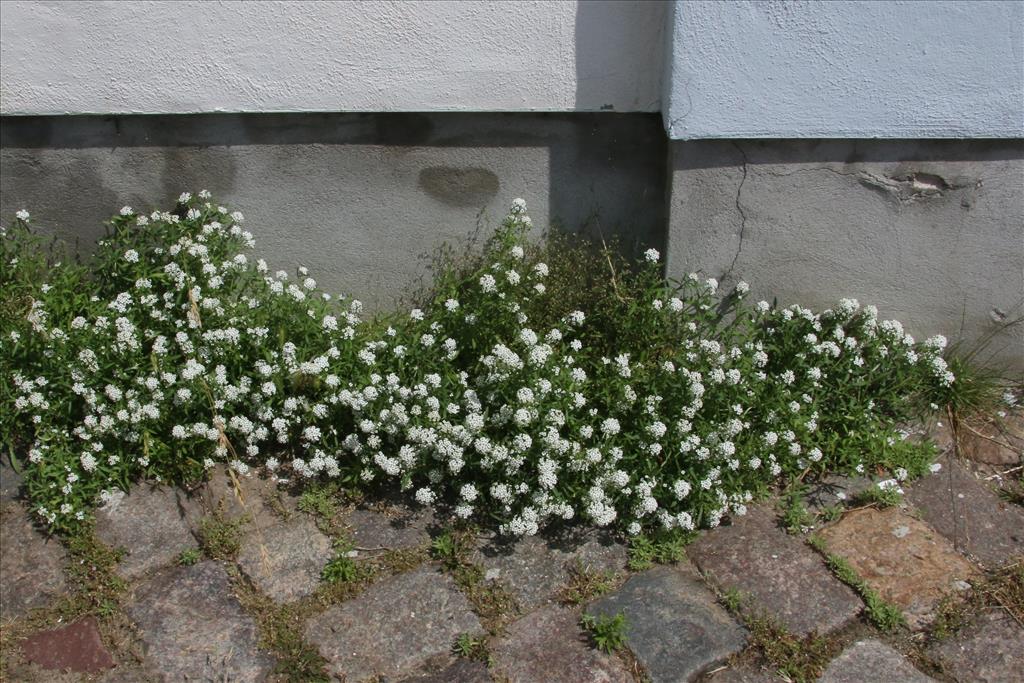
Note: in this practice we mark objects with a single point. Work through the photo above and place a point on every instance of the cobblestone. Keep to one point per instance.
(396, 529)
(871, 660)
(970, 515)
(986, 651)
(284, 561)
(10, 482)
(902, 558)
(75, 647)
(151, 524)
(31, 564)
(193, 628)
(675, 627)
(535, 568)
(784, 577)
(393, 628)
(548, 646)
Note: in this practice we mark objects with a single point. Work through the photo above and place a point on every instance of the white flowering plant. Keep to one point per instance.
(655, 405)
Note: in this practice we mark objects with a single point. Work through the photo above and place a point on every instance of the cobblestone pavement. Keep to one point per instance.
(228, 583)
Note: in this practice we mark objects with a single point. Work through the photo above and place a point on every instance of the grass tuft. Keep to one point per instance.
(220, 538)
(585, 584)
(796, 659)
(665, 547)
(469, 646)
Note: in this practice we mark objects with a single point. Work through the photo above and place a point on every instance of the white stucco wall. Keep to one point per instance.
(204, 56)
(892, 69)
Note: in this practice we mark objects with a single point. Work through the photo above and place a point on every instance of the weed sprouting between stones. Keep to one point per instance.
(93, 589)
(472, 647)
(281, 631)
(189, 557)
(884, 615)
(1001, 588)
(732, 599)
(282, 626)
(321, 501)
(511, 395)
(585, 584)
(796, 518)
(220, 538)
(340, 568)
(608, 631)
(799, 659)
(492, 602)
(666, 547)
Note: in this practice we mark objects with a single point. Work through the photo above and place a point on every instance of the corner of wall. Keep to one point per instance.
(667, 68)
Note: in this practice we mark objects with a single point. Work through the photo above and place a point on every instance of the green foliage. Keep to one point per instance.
(885, 615)
(340, 569)
(830, 513)
(320, 500)
(795, 515)
(607, 631)
(733, 599)
(448, 548)
(343, 568)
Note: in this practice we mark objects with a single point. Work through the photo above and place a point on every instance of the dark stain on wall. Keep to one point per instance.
(459, 186)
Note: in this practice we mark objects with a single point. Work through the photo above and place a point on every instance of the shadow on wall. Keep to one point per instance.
(604, 171)
(620, 49)
(619, 56)
(716, 153)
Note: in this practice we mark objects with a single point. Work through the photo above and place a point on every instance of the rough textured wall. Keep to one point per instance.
(199, 56)
(932, 232)
(893, 69)
(358, 198)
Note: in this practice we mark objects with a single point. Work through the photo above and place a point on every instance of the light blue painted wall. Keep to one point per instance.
(893, 69)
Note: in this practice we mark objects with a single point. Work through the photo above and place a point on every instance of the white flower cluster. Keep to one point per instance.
(190, 353)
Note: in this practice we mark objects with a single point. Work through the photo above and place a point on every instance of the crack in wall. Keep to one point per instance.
(741, 211)
(905, 187)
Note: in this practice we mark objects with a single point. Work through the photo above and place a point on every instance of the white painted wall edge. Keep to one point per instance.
(160, 57)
